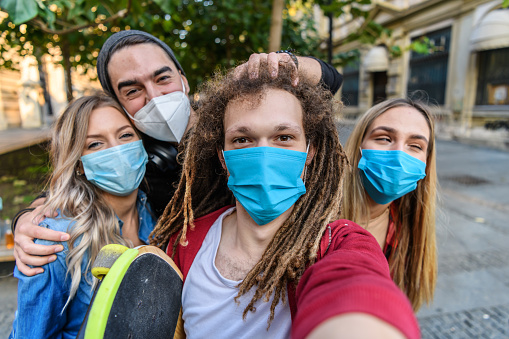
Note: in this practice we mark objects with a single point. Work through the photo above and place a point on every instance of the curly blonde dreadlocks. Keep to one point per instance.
(203, 185)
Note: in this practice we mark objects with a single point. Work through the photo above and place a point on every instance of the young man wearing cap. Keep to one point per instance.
(142, 73)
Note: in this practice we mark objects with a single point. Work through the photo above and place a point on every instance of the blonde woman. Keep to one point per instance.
(390, 190)
(98, 163)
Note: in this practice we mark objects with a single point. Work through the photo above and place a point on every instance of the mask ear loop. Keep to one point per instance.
(183, 86)
(223, 161)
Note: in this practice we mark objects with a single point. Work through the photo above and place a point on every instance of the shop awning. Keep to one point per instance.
(492, 32)
(377, 60)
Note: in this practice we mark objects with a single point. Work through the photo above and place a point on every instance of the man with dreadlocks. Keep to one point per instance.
(142, 73)
(252, 223)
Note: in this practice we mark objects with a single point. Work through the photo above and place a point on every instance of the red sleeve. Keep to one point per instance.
(352, 276)
(184, 255)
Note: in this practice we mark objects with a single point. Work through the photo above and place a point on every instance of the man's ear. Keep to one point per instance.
(186, 84)
(221, 158)
(311, 154)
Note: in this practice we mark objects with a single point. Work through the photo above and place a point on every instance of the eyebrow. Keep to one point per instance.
(162, 70)
(278, 128)
(117, 131)
(383, 128)
(392, 130)
(284, 127)
(134, 81)
(241, 129)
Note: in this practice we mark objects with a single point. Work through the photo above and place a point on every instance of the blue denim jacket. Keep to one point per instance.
(41, 298)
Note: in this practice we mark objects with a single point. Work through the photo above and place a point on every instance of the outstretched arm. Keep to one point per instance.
(355, 326)
(352, 283)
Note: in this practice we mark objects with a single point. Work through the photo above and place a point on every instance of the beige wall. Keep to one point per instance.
(412, 18)
(21, 96)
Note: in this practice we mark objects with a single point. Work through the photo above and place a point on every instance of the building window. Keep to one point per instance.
(350, 91)
(493, 81)
(428, 72)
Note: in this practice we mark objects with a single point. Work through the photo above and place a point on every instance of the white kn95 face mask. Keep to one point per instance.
(165, 117)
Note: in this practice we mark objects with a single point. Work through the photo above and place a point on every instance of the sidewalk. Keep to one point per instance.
(17, 138)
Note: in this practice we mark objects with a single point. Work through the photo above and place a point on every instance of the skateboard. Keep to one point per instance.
(138, 295)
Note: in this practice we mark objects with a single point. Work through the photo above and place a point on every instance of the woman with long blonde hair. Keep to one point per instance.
(98, 162)
(390, 190)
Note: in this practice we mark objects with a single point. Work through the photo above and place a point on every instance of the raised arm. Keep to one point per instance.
(25, 230)
(315, 70)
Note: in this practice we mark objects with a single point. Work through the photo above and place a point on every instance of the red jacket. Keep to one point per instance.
(351, 274)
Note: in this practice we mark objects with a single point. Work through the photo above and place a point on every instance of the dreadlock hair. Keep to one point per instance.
(413, 263)
(203, 186)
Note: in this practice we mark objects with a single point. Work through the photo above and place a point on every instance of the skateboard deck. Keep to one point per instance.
(139, 297)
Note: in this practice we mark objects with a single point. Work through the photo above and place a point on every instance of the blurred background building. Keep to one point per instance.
(35, 94)
(465, 71)
(453, 53)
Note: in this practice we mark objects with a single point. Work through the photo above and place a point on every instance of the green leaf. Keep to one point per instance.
(165, 5)
(20, 11)
(505, 3)
(49, 17)
(75, 11)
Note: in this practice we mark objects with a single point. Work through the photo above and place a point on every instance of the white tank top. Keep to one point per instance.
(209, 308)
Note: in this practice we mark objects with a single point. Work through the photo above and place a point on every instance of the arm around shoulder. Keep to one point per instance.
(26, 251)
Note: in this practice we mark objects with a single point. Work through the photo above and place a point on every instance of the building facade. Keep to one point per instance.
(465, 73)
(24, 103)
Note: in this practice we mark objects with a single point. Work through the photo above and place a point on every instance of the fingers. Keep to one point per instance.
(240, 70)
(22, 260)
(26, 249)
(272, 61)
(44, 255)
(47, 213)
(39, 214)
(27, 230)
(37, 232)
(253, 64)
(285, 58)
(27, 270)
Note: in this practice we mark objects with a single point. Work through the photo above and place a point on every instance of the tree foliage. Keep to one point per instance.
(203, 34)
(369, 33)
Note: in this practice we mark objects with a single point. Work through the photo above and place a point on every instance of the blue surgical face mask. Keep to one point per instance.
(389, 175)
(117, 170)
(265, 180)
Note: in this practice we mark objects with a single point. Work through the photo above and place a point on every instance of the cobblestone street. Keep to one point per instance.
(8, 288)
(483, 322)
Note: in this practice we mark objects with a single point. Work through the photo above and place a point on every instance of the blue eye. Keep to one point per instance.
(126, 135)
(93, 145)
